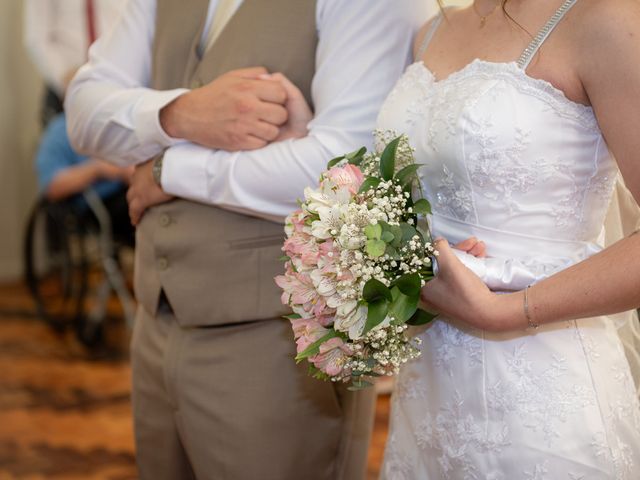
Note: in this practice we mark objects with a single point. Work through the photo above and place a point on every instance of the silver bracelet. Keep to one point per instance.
(530, 321)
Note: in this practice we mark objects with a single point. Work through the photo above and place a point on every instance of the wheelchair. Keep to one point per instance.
(73, 254)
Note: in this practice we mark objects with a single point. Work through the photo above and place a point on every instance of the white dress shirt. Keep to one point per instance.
(56, 35)
(363, 47)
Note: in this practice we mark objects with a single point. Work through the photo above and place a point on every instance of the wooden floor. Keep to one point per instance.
(65, 411)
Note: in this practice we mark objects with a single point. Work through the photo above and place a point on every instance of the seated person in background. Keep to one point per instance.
(63, 173)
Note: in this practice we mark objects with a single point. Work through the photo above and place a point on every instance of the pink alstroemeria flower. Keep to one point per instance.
(307, 331)
(294, 223)
(333, 356)
(348, 176)
(302, 246)
(298, 288)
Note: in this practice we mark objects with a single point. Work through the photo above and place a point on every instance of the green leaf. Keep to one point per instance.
(403, 306)
(374, 290)
(422, 207)
(359, 384)
(314, 348)
(356, 161)
(421, 317)
(397, 235)
(408, 174)
(409, 284)
(373, 232)
(292, 316)
(368, 184)
(377, 312)
(375, 248)
(388, 160)
(408, 232)
(392, 252)
(387, 237)
(355, 158)
(332, 163)
(357, 153)
(315, 372)
(285, 258)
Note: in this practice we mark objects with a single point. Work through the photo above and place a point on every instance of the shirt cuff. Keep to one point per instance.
(147, 117)
(184, 172)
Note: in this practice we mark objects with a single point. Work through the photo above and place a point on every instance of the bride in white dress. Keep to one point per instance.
(519, 154)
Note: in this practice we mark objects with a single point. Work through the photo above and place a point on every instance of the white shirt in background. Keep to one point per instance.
(364, 45)
(56, 34)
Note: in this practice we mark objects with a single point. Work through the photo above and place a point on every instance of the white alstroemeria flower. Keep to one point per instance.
(330, 222)
(316, 199)
(351, 317)
(325, 284)
(326, 196)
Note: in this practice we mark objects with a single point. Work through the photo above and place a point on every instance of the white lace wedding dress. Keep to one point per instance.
(509, 159)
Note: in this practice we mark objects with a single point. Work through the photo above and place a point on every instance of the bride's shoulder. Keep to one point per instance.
(608, 30)
(447, 13)
(607, 21)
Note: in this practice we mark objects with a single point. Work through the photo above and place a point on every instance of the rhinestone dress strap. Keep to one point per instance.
(428, 36)
(543, 34)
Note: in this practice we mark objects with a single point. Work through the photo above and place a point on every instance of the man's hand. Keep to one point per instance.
(109, 171)
(236, 111)
(298, 109)
(144, 192)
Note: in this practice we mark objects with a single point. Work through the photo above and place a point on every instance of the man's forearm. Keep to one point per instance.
(266, 183)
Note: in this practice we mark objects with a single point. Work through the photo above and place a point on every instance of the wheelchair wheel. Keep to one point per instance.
(55, 265)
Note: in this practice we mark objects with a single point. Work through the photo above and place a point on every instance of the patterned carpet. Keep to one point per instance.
(64, 410)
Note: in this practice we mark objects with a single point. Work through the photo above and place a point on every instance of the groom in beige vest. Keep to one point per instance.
(179, 89)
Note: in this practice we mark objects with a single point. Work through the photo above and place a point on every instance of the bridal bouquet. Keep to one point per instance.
(355, 261)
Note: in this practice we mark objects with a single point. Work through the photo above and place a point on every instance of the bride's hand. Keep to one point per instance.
(457, 293)
(472, 246)
(299, 112)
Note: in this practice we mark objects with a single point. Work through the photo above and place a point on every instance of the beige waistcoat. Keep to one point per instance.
(215, 266)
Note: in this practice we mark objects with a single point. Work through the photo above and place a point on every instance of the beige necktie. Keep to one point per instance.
(224, 12)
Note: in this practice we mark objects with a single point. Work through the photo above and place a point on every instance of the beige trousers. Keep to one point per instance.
(229, 403)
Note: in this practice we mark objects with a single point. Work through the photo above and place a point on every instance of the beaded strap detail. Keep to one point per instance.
(428, 36)
(536, 43)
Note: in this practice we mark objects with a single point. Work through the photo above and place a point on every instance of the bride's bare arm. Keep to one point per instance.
(609, 282)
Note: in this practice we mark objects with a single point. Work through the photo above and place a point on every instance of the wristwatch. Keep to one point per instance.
(156, 169)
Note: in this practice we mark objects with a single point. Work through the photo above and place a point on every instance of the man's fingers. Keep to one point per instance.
(273, 92)
(253, 143)
(272, 113)
(265, 131)
(293, 92)
(251, 72)
(134, 216)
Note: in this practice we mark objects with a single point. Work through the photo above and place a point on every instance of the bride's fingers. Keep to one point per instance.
(479, 250)
(466, 245)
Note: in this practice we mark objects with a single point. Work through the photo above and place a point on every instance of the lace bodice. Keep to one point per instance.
(506, 153)
(505, 150)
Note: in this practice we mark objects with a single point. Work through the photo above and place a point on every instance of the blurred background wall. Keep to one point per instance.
(20, 97)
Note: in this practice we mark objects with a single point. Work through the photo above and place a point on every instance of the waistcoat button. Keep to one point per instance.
(165, 220)
(163, 263)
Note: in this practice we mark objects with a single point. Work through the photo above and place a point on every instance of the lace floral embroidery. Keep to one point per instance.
(454, 436)
(453, 198)
(543, 400)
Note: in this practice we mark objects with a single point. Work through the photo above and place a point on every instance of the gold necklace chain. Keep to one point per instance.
(483, 18)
